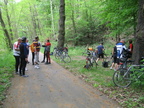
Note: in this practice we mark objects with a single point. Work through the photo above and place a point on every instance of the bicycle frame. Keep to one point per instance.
(130, 69)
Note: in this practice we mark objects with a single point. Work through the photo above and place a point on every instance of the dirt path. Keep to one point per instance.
(52, 86)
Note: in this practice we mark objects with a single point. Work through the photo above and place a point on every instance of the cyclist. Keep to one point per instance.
(37, 49)
(23, 56)
(120, 46)
(100, 52)
(33, 52)
(114, 55)
(130, 48)
(16, 53)
(47, 51)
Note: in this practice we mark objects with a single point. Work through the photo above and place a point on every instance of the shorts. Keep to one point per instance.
(115, 59)
(118, 61)
(101, 55)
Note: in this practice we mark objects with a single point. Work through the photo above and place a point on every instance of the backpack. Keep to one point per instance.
(105, 64)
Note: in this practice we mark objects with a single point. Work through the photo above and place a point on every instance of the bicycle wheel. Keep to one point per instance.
(88, 64)
(57, 55)
(66, 58)
(121, 78)
(54, 51)
(95, 64)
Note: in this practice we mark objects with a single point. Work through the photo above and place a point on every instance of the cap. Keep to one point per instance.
(24, 38)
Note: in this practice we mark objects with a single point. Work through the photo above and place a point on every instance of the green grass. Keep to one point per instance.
(6, 71)
(101, 78)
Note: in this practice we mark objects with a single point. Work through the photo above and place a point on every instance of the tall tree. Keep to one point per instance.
(139, 39)
(6, 33)
(61, 35)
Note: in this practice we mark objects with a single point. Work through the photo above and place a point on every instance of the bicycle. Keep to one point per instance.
(91, 60)
(62, 54)
(123, 77)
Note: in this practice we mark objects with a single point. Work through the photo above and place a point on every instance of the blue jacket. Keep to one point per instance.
(24, 50)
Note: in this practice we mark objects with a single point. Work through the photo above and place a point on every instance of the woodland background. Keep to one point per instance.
(77, 22)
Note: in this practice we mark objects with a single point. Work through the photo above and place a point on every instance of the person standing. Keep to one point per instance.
(33, 52)
(44, 55)
(47, 52)
(23, 56)
(120, 47)
(114, 56)
(100, 52)
(36, 44)
(16, 53)
(130, 48)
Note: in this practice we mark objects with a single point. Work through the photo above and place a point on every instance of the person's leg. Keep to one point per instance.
(102, 56)
(49, 60)
(21, 66)
(38, 56)
(24, 66)
(44, 55)
(33, 58)
(17, 62)
(46, 58)
(98, 58)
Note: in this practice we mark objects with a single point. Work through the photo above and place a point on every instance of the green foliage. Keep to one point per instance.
(101, 78)
(6, 71)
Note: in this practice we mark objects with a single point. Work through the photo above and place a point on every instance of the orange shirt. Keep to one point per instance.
(32, 48)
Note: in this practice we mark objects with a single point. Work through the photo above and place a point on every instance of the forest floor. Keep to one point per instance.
(52, 86)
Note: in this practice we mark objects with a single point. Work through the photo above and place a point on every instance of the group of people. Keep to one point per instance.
(21, 53)
(116, 52)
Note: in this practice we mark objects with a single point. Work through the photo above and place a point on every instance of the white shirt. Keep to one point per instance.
(16, 46)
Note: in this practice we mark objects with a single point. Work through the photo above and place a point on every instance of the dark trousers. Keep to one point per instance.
(33, 56)
(17, 63)
(48, 57)
(22, 66)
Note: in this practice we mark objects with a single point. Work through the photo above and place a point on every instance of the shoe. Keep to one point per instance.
(42, 61)
(26, 69)
(110, 67)
(24, 75)
(36, 63)
(46, 62)
(37, 67)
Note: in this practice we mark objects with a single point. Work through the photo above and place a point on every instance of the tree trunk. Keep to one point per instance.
(8, 18)
(138, 51)
(33, 21)
(52, 18)
(8, 40)
(61, 35)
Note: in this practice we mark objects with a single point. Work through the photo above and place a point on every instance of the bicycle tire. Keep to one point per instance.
(57, 55)
(88, 64)
(95, 64)
(54, 52)
(67, 59)
(121, 78)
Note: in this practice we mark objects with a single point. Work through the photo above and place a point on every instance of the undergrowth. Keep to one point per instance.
(6, 72)
(101, 78)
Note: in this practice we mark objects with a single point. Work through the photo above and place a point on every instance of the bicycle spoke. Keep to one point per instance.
(121, 78)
